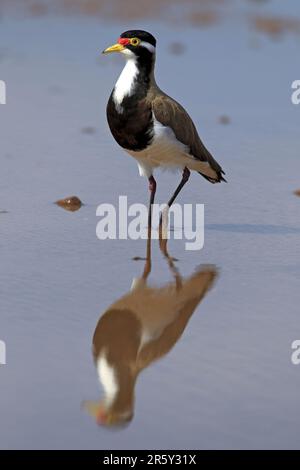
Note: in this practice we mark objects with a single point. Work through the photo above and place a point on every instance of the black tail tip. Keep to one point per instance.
(219, 178)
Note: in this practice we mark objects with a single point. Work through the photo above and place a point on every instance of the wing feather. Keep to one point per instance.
(171, 114)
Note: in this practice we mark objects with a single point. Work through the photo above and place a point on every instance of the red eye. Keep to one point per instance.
(123, 41)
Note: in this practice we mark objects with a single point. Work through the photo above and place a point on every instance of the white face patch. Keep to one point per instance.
(125, 84)
(108, 379)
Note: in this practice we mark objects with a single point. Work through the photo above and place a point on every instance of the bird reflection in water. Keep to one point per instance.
(138, 329)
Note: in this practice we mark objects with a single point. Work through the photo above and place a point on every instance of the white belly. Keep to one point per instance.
(166, 152)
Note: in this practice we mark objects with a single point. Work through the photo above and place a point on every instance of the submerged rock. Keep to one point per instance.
(275, 27)
(297, 192)
(204, 18)
(88, 130)
(177, 48)
(224, 119)
(71, 203)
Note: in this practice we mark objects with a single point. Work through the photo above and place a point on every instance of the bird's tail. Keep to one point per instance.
(219, 177)
(198, 284)
(215, 171)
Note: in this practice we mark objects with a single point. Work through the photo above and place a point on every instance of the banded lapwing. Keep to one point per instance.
(150, 125)
(138, 329)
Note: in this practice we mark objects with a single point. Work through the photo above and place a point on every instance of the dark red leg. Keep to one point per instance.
(152, 189)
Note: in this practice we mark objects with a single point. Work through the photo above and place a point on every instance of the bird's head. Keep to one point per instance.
(106, 416)
(134, 44)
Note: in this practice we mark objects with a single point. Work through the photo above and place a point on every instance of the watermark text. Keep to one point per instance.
(296, 94)
(131, 222)
(2, 353)
(295, 357)
(2, 92)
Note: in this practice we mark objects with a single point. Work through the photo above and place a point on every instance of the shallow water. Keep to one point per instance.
(229, 381)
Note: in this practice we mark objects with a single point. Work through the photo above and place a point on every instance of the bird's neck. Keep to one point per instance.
(107, 376)
(134, 82)
(118, 381)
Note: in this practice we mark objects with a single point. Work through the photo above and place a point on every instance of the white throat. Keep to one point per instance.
(107, 377)
(125, 84)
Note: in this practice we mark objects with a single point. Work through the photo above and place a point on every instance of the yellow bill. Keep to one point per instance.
(114, 48)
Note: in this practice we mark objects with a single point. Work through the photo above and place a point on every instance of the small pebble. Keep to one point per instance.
(71, 203)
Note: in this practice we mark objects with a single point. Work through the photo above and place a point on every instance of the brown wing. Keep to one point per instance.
(171, 114)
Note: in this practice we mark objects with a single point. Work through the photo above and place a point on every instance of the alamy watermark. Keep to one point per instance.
(295, 357)
(296, 93)
(2, 353)
(2, 343)
(131, 222)
(2, 92)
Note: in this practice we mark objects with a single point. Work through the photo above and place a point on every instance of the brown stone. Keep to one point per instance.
(71, 203)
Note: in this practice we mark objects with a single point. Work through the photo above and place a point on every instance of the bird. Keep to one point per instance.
(139, 328)
(150, 125)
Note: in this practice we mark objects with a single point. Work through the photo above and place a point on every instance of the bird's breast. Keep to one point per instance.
(131, 124)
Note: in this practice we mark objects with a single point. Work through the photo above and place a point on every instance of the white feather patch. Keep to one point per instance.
(167, 152)
(164, 151)
(145, 169)
(124, 86)
(108, 379)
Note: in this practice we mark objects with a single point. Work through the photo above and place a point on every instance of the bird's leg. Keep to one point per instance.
(163, 222)
(152, 189)
(185, 177)
(173, 268)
